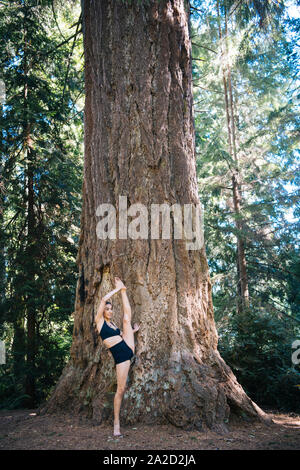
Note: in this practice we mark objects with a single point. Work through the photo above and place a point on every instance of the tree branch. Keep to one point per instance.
(204, 47)
(197, 9)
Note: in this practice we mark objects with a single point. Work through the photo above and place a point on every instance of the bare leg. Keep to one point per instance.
(128, 334)
(122, 373)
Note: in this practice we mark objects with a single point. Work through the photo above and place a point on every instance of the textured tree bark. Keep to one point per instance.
(139, 143)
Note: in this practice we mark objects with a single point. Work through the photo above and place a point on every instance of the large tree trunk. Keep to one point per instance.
(139, 143)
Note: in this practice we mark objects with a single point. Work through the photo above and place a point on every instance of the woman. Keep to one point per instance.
(122, 349)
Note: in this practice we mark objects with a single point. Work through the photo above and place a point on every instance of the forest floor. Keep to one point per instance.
(25, 429)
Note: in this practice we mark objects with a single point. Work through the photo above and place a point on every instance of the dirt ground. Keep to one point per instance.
(25, 429)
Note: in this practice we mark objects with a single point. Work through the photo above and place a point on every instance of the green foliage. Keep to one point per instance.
(263, 65)
(52, 354)
(258, 348)
(41, 126)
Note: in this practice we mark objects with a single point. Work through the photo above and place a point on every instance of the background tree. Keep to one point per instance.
(255, 69)
(40, 200)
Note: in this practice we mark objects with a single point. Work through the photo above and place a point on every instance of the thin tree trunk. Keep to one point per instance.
(31, 235)
(237, 198)
(139, 143)
(18, 350)
(242, 286)
(242, 264)
(30, 304)
(2, 244)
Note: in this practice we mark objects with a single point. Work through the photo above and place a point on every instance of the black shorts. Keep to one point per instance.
(121, 352)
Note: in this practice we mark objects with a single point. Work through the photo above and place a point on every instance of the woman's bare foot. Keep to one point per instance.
(117, 430)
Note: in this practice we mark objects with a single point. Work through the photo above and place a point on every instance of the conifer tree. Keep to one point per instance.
(41, 170)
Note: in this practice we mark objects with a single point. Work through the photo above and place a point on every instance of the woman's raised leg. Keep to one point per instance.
(128, 334)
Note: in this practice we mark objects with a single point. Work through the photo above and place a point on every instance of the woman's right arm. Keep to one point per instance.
(101, 308)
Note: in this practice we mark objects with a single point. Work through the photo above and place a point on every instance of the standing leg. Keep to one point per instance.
(122, 373)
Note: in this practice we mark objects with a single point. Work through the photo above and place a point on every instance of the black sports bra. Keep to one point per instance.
(106, 331)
